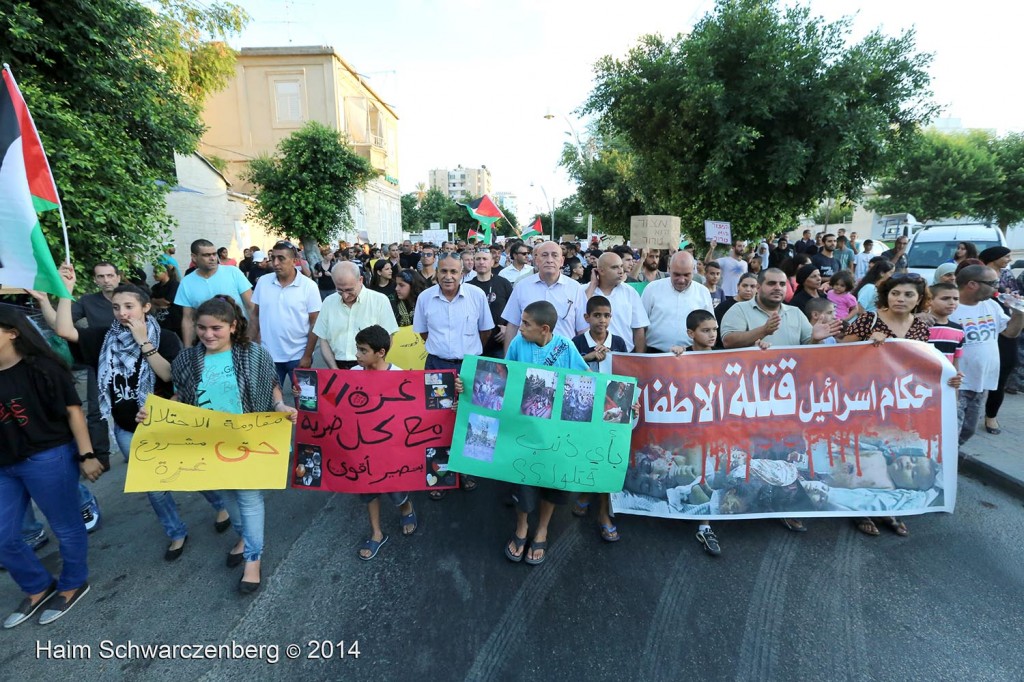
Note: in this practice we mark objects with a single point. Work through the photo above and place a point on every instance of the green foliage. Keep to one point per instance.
(1005, 203)
(833, 212)
(758, 113)
(410, 213)
(434, 206)
(944, 175)
(305, 192)
(110, 116)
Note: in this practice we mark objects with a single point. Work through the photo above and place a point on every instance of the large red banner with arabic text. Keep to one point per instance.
(374, 432)
(841, 430)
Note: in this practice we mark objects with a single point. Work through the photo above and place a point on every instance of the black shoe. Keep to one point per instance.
(175, 554)
(60, 605)
(235, 559)
(221, 526)
(26, 608)
(246, 587)
(709, 541)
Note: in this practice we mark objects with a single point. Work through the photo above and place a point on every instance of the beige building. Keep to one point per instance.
(275, 91)
(462, 182)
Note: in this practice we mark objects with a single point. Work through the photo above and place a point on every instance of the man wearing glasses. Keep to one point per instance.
(347, 312)
(209, 279)
(548, 284)
(428, 263)
(983, 321)
(520, 265)
(898, 256)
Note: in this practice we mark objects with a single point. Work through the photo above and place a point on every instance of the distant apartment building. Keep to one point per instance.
(461, 182)
(507, 201)
(277, 90)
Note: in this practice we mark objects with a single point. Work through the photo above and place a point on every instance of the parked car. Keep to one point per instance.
(933, 245)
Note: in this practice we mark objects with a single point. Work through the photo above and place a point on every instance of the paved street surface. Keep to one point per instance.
(830, 604)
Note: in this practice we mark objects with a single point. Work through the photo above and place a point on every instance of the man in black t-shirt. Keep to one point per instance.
(497, 290)
(825, 258)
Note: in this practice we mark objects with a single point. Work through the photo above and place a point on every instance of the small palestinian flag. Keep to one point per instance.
(485, 212)
(534, 230)
(26, 188)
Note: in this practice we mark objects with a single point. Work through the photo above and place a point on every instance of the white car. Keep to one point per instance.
(933, 245)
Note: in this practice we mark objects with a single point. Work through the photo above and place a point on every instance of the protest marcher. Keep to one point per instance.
(167, 258)
(647, 268)
(628, 262)
(222, 257)
(285, 306)
(468, 257)
(825, 259)
(844, 254)
(854, 243)
(578, 273)
(408, 287)
(352, 308)
(133, 360)
(946, 336)
(667, 302)
(596, 346)
(383, 280)
(322, 272)
(520, 265)
(408, 259)
(732, 265)
(165, 310)
(630, 320)
(808, 280)
(898, 255)
(394, 256)
(805, 244)
(998, 258)
(497, 290)
(789, 268)
(821, 310)
(209, 279)
(745, 291)
(862, 261)
(900, 298)
(767, 319)
(780, 253)
(866, 292)
(42, 454)
(713, 282)
(260, 266)
(983, 321)
(372, 346)
(964, 250)
(228, 373)
(754, 265)
(547, 284)
(945, 273)
(840, 293)
(246, 263)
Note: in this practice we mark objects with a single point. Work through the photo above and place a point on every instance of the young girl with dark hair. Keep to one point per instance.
(226, 372)
(44, 446)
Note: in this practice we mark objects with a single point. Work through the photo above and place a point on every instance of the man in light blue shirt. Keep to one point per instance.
(549, 284)
(209, 279)
(454, 320)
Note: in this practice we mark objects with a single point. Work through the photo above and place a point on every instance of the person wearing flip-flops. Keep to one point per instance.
(372, 346)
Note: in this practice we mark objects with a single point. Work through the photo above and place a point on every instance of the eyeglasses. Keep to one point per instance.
(522, 253)
(284, 244)
(909, 276)
(987, 282)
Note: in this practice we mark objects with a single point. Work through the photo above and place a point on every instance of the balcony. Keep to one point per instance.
(376, 152)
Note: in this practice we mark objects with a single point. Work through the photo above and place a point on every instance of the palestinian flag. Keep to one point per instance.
(534, 230)
(26, 188)
(485, 212)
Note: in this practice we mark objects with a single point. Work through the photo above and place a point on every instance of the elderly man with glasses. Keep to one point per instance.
(347, 312)
(520, 265)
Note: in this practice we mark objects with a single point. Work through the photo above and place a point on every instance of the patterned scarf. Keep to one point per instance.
(121, 361)
(254, 370)
(404, 314)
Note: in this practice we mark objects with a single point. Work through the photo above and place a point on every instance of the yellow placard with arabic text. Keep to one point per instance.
(180, 447)
(407, 349)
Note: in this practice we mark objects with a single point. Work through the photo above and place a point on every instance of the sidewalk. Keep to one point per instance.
(999, 460)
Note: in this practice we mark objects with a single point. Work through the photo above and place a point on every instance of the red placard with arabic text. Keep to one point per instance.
(374, 432)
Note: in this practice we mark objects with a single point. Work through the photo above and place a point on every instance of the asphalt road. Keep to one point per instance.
(445, 604)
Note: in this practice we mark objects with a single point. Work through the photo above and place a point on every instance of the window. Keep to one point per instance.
(289, 99)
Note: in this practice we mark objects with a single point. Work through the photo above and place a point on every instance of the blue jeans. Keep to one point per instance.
(284, 370)
(49, 478)
(163, 503)
(30, 525)
(247, 518)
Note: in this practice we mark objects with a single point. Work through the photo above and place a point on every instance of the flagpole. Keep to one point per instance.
(46, 160)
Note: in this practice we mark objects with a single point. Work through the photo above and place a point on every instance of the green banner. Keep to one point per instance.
(543, 426)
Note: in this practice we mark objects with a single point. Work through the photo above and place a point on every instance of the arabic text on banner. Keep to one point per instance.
(180, 447)
(367, 432)
(847, 430)
(543, 426)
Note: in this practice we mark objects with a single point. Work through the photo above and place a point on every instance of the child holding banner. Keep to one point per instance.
(372, 346)
(44, 446)
(226, 372)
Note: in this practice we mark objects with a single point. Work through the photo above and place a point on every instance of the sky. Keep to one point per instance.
(472, 80)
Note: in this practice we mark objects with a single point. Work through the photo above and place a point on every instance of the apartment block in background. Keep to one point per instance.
(461, 183)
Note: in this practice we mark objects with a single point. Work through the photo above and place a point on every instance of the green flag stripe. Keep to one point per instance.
(47, 277)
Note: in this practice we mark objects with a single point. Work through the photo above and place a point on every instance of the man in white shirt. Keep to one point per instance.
(862, 261)
(629, 319)
(548, 284)
(983, 321)
(668, 301)
(347, 312)
(732, 266)
(520, 265)
(285, 308)
(453, 319)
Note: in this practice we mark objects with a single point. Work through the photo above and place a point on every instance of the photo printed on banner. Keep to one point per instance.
(578, 398)
(539, 393)
(618, 402)
(489, 385)
(308, 471)
(308, 389)
(481, 437)
(440, 390)
(437, 468)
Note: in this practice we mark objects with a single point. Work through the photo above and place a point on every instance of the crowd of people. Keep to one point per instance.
(228, 336)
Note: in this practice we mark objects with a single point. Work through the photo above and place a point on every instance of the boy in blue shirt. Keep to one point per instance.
(596, 345)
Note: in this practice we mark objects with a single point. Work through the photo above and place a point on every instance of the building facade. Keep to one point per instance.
(277, 90)
(461, 183)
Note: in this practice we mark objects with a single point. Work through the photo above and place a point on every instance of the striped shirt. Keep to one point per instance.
(948, 338)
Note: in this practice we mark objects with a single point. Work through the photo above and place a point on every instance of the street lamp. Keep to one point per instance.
(584, 158)
(551, 207)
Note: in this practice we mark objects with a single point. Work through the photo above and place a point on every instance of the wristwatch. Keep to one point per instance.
(83, 457)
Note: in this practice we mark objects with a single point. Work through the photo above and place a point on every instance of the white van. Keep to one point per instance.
(933, 245)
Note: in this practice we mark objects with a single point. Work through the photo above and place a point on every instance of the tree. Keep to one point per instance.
(410, 213)
(305, 192)
(1006, 204)
(833, 211)
(110, 114)
(944, 175)
(759, 113)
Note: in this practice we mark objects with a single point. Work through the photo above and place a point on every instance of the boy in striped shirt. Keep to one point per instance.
(946, 336)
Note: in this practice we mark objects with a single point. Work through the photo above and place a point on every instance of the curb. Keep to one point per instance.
(986, 473)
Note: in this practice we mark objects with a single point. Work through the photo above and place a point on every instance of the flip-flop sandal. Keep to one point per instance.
(519, 543)
(898, 527)
(866, 526)
(579, 509)
(436, 495)
(537, 545)
(373, 546)
(467, 484)
(610, 533)
(409, 520)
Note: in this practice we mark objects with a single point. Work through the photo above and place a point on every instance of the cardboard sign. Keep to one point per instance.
(718, 232)
(181, 447)
(435, 236)
(654, 231)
